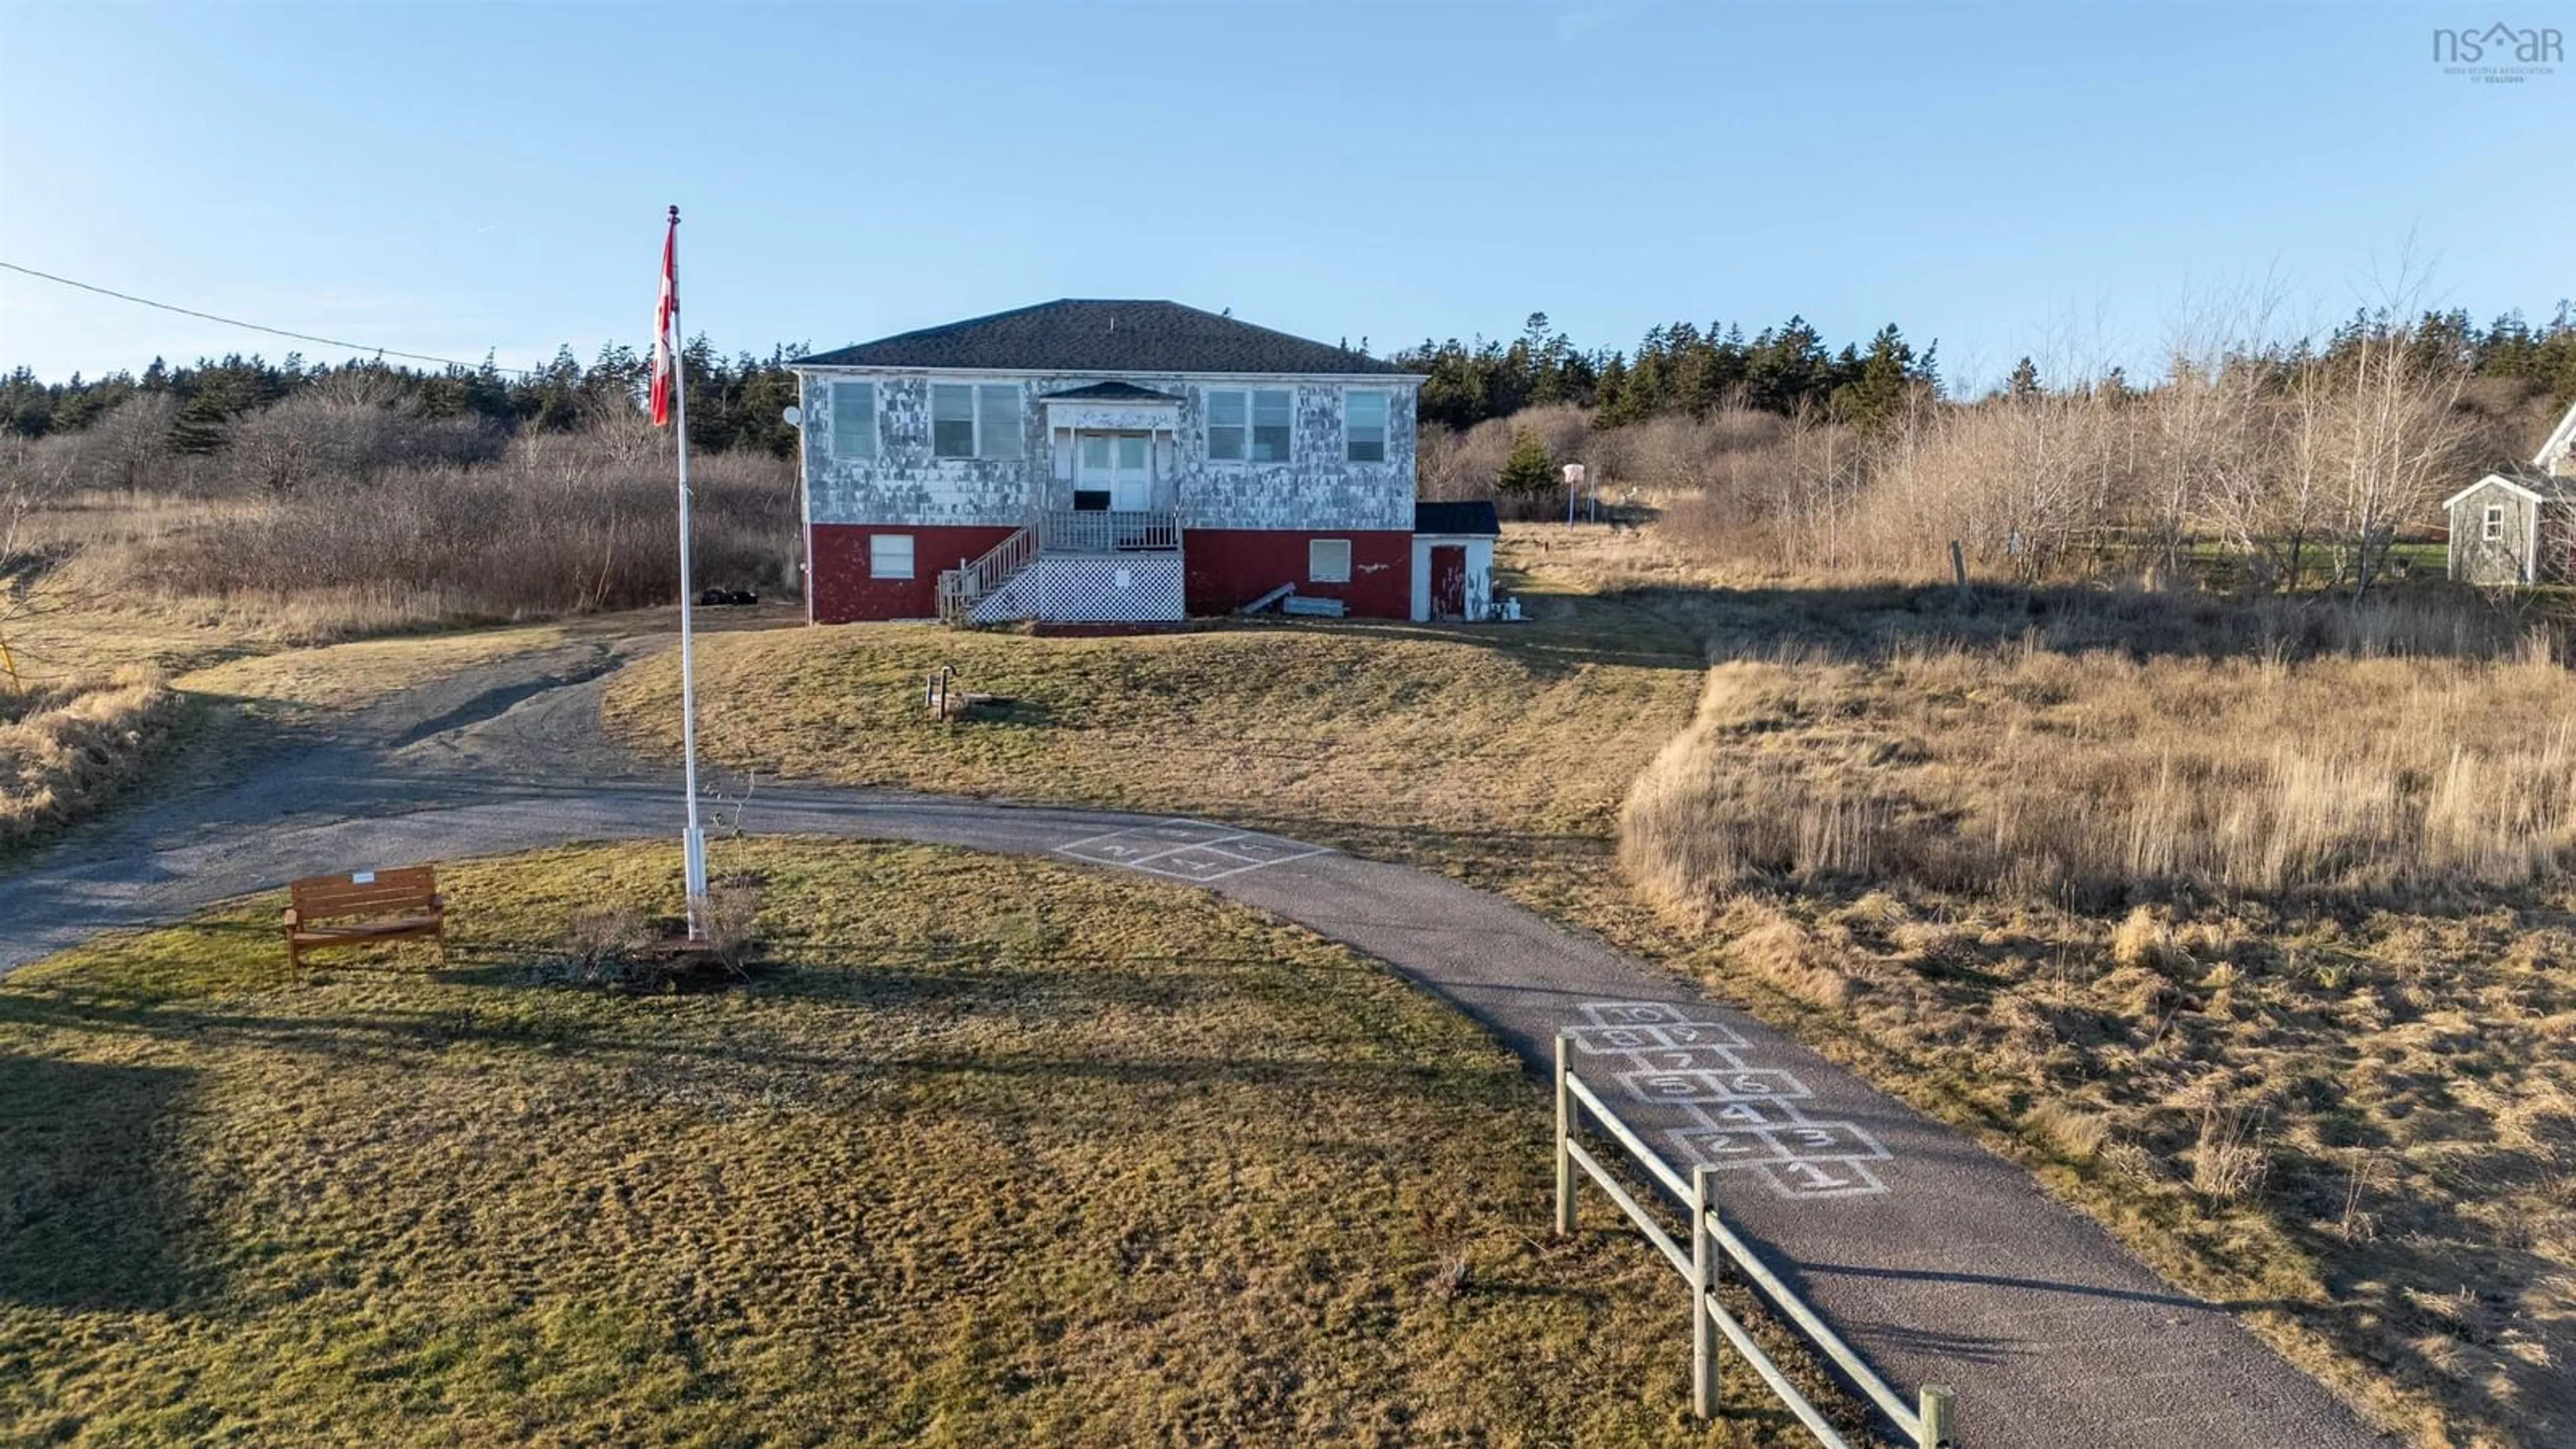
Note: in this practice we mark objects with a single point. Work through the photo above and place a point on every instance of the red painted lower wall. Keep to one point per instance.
(843, 592)
(1225, 568)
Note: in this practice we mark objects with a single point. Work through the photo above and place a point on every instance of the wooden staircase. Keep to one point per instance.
(961, 589)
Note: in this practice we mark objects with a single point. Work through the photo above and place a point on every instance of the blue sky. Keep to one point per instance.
(451, 178)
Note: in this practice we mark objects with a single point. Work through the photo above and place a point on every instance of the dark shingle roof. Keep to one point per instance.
(1104, 336)
(1111, 392)
(1474, 518)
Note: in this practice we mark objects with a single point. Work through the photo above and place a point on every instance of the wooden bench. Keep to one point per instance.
(369, 905)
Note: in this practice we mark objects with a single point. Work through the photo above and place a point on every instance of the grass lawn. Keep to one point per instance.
(994, 1152)
(1486, 750)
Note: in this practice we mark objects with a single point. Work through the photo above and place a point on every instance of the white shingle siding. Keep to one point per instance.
(1318, 488)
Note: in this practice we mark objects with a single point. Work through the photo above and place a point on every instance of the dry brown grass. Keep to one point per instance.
(2249, 928)
(2100, 776)
(68, 748)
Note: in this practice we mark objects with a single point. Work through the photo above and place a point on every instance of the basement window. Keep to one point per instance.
(1364, 427)
(1328, 560)
(2495, 522)
(854, 420)
(889, 555)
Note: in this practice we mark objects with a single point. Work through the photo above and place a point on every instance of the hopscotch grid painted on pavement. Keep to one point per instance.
(1748, 1116)
(1190, 850)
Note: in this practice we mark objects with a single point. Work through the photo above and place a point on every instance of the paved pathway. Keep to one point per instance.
(1939, 1261)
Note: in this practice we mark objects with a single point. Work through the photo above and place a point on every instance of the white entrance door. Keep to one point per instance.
(1120, 465)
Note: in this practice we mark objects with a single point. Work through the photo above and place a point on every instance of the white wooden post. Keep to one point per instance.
(1564, 1130)
(1704, 1276)
(1937, 1406)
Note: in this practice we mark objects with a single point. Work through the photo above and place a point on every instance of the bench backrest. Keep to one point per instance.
(366, 893)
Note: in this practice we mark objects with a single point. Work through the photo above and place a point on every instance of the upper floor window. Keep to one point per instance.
(1249, 424)
(2495, 521)
(1364, 427)
(854, 420)
(976, 420)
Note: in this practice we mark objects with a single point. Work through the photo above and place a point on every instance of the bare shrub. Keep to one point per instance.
(1778, 497)
(729, 924)
(600, 940)
(2027, 487)
(555, 524)
(326, 437)
(1450, 465)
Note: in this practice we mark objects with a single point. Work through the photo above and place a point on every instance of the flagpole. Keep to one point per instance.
(693, 844)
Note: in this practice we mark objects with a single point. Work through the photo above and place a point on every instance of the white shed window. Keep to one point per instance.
(889, 555)
(1249, 424)
(976, 420)
(854, 420)
(2495, 521)
(1328, 560)
(1364, 427)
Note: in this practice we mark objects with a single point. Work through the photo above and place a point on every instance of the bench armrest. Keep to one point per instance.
(294, 918)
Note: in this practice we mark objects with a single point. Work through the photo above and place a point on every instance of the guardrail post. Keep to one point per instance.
(1564, 1131)
(1704, 1279)
(1938, 1403)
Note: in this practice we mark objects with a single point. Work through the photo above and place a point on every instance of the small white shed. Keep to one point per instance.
(1453, 560)
(2519, 526)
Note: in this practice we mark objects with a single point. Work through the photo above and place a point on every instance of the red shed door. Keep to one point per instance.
(1448, 581)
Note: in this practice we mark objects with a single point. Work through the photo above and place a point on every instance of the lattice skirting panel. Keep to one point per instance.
(1089, 589)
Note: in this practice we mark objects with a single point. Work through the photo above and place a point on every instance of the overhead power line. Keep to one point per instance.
(258, 327)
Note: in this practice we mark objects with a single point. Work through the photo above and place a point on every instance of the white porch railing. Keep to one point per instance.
(1108, 531)
(960, 588)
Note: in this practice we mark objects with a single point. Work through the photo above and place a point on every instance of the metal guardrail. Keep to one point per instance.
(1108, 531)
(1714, 1248)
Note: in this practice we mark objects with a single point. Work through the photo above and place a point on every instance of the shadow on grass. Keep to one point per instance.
(87, 1221)
(1872, 623)
(491, 997)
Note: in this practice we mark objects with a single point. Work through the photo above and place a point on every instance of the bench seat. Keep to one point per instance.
(342, 910)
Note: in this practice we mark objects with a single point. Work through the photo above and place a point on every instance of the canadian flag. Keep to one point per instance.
(666, 321)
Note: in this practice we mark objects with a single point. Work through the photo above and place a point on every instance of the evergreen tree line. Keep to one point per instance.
(733, 402)
(1679, 367)
(1682, 368)
(1676, 369)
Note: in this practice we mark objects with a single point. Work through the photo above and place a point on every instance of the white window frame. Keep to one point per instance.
(1385, 422)
(1316, 572)
(1251, 395)
(1243, 430)
(878, 564)
(983, 451)
(2494, 523)
(839, 411)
